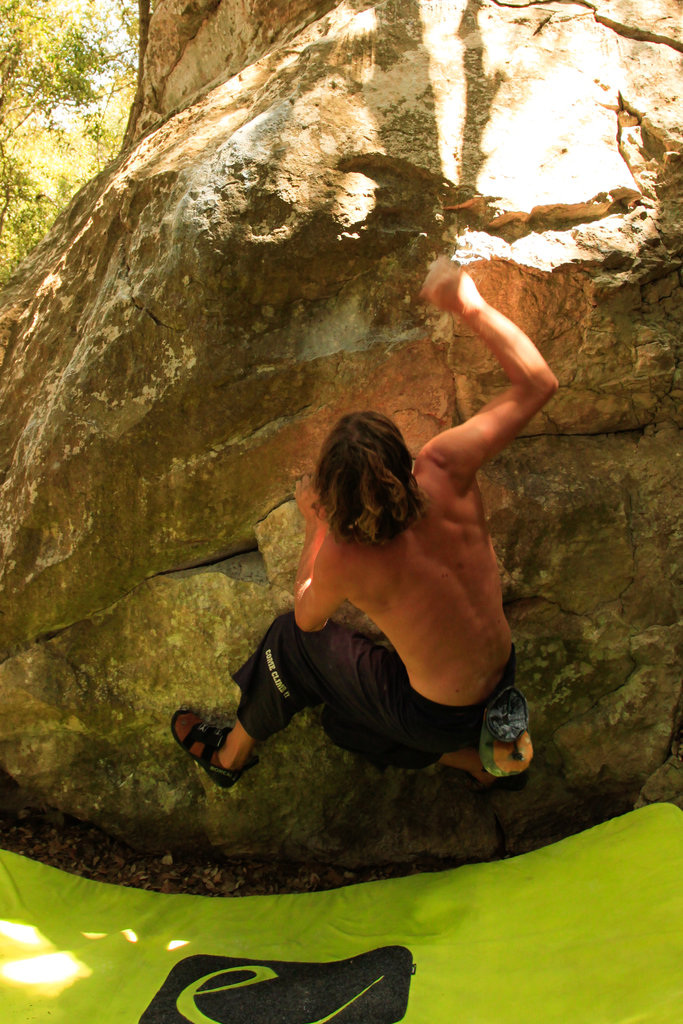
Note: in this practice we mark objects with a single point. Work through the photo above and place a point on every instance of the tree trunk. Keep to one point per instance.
(144, 17)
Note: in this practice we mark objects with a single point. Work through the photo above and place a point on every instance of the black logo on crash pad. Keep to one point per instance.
(371, 988)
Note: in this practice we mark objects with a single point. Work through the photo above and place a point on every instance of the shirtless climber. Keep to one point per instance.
(409, 547)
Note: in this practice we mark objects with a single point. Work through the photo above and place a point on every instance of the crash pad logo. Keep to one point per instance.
(371, 988)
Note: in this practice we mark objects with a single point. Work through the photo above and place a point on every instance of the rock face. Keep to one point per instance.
(176, 348)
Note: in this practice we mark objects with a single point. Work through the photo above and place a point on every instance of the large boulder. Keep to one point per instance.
(176, 348)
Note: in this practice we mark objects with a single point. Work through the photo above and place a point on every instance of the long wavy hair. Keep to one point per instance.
(364, 480)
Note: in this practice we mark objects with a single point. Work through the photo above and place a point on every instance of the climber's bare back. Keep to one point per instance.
(434, 591)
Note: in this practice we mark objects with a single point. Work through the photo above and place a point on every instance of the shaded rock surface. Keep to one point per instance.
(175, 350)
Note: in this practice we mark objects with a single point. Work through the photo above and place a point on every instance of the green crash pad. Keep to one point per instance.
(589, 930)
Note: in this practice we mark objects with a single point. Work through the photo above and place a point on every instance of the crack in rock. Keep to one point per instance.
(247, 564)
(139, 305)
(515, 224)
(621, 28)
(217, 563)
(151, 315)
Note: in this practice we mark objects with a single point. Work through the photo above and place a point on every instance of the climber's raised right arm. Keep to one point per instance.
(464, 448)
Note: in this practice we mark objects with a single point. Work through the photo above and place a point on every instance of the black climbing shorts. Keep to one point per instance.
(369, 706)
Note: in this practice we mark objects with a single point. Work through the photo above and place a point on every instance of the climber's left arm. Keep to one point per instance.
(318, 591)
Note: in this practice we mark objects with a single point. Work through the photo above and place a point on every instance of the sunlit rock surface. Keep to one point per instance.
(173, 353)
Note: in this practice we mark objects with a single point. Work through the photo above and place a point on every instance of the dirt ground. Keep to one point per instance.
(82, 849)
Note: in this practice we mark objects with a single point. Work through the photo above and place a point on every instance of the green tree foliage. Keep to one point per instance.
(67, 80)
